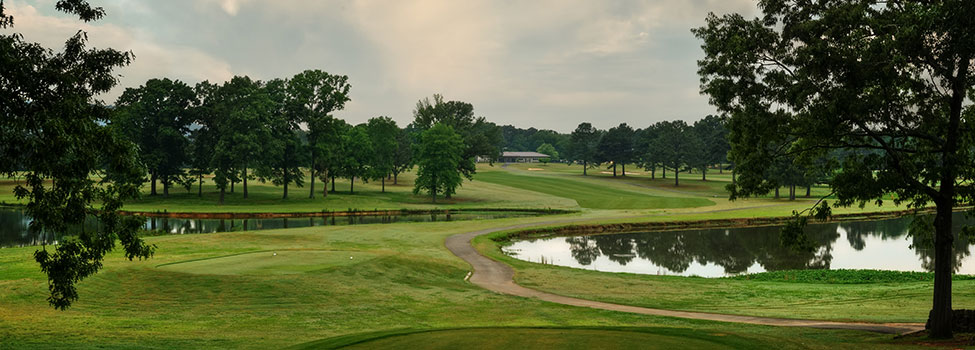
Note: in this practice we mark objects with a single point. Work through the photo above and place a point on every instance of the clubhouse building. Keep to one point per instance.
(522, 157)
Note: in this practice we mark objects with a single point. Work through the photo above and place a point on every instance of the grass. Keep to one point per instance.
(402, 288)
(884, 301)
(196, 293)
(542, 338)
(844, 276)
(589, 194)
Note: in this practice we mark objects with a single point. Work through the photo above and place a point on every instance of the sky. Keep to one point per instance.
(548, 64)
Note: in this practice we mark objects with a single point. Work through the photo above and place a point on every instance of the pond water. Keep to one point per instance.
(14, 223)
(880, 245)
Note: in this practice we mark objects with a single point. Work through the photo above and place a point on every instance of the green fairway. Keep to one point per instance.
(397, 285)
(270, 262)
(541, 338)
(228, 291)
(589, 194)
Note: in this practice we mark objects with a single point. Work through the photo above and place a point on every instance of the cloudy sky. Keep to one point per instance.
(541, 63)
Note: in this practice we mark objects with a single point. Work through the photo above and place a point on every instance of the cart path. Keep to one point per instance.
(498, 277)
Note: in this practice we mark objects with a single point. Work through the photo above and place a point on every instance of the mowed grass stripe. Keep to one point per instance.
(589, 195)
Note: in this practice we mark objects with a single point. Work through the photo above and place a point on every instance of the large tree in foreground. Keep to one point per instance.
(53, 135)
(887, 79)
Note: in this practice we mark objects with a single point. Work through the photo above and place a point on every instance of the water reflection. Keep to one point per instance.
(883, 244)
(14, 224)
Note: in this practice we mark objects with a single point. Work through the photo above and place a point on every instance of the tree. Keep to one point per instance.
(646, 156)
(548, 150)
(358, 154)
(616, 147)
(439, 154)
(713, 137)
(676, 145)
(889, 77)
(156, 117)
(582, 145)
(203, 139)
(403, 157)
(313, 96)
(383, 135)
(282, 155)
(241, 109)
(481, 138)
(53, 134)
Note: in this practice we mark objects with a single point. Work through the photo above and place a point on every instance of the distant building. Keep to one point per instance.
(522, 157)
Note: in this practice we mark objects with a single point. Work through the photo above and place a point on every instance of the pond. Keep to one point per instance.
(14, 223)
(880, 245)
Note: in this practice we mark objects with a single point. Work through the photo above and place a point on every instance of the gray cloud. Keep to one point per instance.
(548, 63)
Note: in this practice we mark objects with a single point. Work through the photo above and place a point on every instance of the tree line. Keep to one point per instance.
(283, 131)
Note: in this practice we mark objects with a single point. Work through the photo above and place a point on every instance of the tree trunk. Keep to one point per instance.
(624, 169)
(653, 172)
(325, 184)
(614, 169)
(808, 191)
(704, 174)
(232, 186)
(199, 192)
(395, 178)
(245, 181)
(165, 183)
(223, 190)
(940, 318)
(352, 186)
(585, 165)
(663, 172)
(152, 189)
(333, 183)
(285, 184)
(720, 169)
(384, 185)
(776, 192)
(792, 192)
(676, 177)
(311, 193)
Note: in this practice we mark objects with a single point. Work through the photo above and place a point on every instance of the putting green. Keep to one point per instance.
(533, 338)
(278, 262)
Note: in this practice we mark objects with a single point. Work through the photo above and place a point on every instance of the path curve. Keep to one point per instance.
(499, 277)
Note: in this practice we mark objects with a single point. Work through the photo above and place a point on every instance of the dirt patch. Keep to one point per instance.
(536, 169)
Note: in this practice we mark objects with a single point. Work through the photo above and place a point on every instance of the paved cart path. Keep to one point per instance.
(498, 277)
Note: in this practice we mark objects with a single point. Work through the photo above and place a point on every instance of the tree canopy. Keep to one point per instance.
(891, 78)
(438, 156)
(54, 135)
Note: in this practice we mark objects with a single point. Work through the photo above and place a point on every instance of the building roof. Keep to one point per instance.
(524, 155)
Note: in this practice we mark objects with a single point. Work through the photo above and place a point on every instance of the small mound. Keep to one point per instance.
(536, 169)
(278, 262)
(529, 338)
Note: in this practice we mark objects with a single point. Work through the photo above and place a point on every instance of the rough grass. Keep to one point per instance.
(844, 276)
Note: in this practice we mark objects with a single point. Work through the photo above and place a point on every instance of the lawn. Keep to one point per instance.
(396, 285)
(228, 291)
(589, 194)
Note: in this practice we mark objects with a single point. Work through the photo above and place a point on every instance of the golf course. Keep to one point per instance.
(397, 285)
